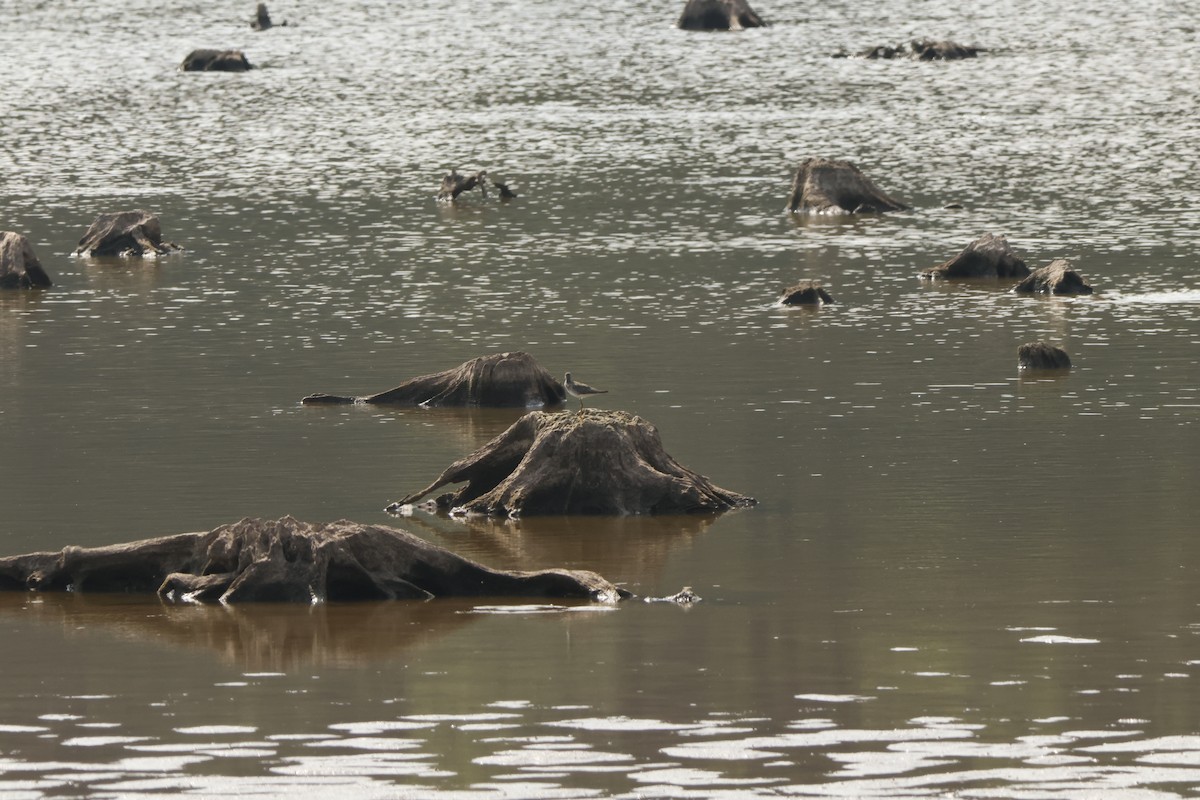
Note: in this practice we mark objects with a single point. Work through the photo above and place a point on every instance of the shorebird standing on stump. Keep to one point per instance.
(580, 390)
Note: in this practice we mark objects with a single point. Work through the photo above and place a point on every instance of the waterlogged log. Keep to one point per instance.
(1042, 355)
(287, 560)
(454, 184)
(919, 50)
(591, 462)
(1057, 277)
(719, 15)
(828, 186)
(206, 60)
(19, 265)
(127, 234)
(987, 257)
(805, 293)
(501, 380)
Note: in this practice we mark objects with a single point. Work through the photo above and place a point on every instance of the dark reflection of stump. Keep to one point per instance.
(635, 547)
(275, 637)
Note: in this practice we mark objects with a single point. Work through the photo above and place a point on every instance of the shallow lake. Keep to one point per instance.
(959, 580)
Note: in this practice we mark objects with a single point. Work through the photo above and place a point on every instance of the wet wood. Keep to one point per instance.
(828, 186)
(988, 256)
(205, 60)
(125, 233)
(287, 560)
(719, 15)
(19, 264)
(500, 380)
(590, 462)
(805, 293)
(1057, 277)
(1042, 355)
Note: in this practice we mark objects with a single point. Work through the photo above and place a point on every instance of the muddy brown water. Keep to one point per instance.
(958, 580)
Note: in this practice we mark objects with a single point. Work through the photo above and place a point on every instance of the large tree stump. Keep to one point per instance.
(501, 380)
(206, 60)
(593, 462)
(987, 257)
(826, 186)
(287, 560)
(805, 293)
(719, 15)
(1057, 277)
(1042, 355)
(125, 233)
(19, 265)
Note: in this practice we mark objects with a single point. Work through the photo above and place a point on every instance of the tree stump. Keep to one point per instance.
(987, 257)
(826, 186)
(262, 18)
(1057, 277)
(919, 50)
(454, 184)
(501, 380)
(205, 60)
(19, 265)
(593, 462)
(805, 293)
(287, 560)
(1042, 355)
(719, 15)
(125, 233)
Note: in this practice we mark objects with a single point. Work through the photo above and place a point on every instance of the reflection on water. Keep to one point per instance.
(960, 579)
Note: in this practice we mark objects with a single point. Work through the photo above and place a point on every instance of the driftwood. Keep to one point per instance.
(205, 60)
(826, 186)
(19, 265)
(287, 560)
(1042, 355)
(719, 15)
(501, 380)
(987, 257)
(125, 233)
(919, 50)
(805, 293)
(593, 462)
(454, 184)
(1057, 277)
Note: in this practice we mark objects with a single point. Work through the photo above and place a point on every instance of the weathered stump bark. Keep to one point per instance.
(1042, 355)
(593, 462)
(826, 186)
(919, 50)
(454, 184)
(205, 60)
(501, 380)
(805, 293)
(287, 560)
(1057, 277)
(987, 257)
(125, 233)
(719, 15)
(19, 265)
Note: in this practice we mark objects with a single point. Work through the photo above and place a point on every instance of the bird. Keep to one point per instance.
(579, 390)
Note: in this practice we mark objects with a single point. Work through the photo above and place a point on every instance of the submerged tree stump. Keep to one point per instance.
(454, 184)
(987, 257)
(1042, 355)
(501, 380)
(1057, 277)
(827, 186)
(19, 265)
(593, 462)
(125, 233)
(805, 293)
(262, 19)
(719, 15)
(919, 50)
(205, 60)
(287, 560)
